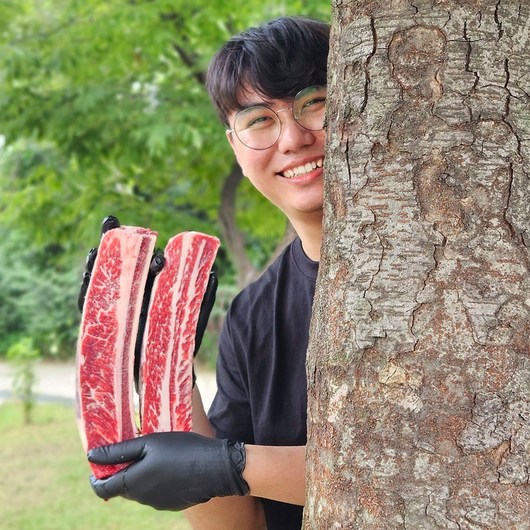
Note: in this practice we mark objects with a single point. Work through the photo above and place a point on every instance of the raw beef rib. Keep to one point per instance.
(169, 337)
(105, 350)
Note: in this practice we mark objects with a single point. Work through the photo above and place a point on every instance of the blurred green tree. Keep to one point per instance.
(104, 111)
(23, 355)
(36, 300)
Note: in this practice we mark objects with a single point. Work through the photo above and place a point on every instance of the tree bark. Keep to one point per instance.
(418, 363)
(234, 238)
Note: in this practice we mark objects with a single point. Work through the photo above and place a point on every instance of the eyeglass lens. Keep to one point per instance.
(259, 127)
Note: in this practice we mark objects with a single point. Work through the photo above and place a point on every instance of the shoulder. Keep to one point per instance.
(291, 269)
(287, 285)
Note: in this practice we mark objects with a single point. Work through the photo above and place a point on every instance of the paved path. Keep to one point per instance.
(56, 382)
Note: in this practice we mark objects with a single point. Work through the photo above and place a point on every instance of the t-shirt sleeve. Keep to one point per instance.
(230, 412)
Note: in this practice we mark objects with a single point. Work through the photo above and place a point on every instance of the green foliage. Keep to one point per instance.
(36, 299)
(268, 223)
(108, 97)
(103, 110)
(23, 356)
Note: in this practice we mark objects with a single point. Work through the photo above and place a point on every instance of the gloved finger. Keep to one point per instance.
(206, 308)
(118, 453)
(109, 223)
(157, 264)
(89, 265)
(113, 486)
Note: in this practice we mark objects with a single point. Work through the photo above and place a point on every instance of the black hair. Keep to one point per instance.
(276, 59)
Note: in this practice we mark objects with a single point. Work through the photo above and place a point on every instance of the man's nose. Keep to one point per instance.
(292, 135)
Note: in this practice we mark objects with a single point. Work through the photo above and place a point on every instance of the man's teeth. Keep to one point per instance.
(306, 168)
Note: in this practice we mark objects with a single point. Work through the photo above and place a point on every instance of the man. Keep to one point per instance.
(269, 87)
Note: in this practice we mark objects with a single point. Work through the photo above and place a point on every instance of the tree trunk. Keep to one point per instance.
(234, 238)
(418, 363)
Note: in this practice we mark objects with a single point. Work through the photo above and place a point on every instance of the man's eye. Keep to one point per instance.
(314, 104)
(259, 122)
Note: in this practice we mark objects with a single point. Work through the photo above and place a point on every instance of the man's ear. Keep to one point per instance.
(232, 143)
(230, 138)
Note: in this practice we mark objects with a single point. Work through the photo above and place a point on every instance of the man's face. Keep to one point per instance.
(271, 170)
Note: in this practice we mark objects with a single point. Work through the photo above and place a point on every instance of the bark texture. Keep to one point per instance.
(419, 359)
(234, 238)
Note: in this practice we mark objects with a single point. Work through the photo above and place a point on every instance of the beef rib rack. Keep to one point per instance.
(105, 348)
(109, 328)
(166, 377)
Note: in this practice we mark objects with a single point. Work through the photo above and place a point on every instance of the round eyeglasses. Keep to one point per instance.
(259, 127)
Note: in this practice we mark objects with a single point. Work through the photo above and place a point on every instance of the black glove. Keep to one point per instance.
(204, 314)
(172, 470)
(206, 308)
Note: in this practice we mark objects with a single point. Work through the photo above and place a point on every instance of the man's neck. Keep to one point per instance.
(310, 234)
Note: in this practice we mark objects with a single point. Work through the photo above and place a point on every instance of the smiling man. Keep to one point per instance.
(244, 468)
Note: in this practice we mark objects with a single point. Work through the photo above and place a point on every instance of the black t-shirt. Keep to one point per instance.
(261, 379)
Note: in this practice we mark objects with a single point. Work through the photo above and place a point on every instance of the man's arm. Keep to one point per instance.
(226, 513)
(276, 473)
(178, 470)
(272, 472)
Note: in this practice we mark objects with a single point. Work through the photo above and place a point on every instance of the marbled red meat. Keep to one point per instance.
(169, 337)
(105, 350)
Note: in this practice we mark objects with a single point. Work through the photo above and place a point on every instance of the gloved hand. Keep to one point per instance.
(204, 314)
(172, 470)
(206, 308)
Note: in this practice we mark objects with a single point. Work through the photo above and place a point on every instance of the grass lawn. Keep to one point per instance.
(45, 479)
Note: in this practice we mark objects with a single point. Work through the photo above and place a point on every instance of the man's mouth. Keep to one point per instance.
(301, 170)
